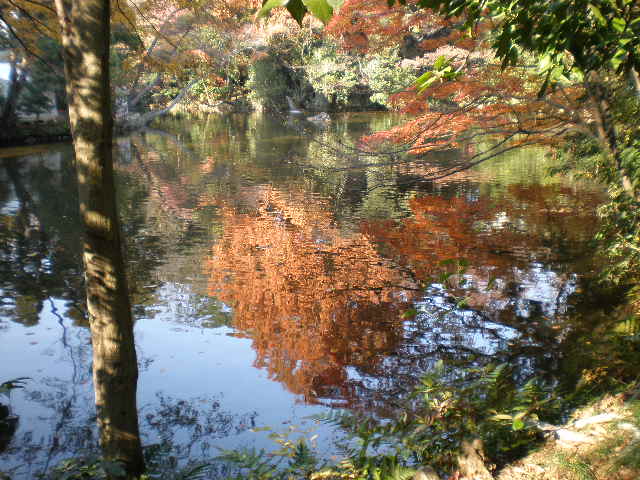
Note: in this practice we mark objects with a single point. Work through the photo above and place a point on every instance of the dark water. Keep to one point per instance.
(270, 281)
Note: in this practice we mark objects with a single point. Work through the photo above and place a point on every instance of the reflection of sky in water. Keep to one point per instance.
(58, 397)
(193, 361)
(544, 288)
(10, 208)
(441, 326)
(540, 291)
(459, 329)
(186, 367)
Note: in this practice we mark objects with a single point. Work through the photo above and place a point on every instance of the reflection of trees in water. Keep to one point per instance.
(323, 305)
(38, 240)
(181, 426)
(181, 429)
(66, 417)
(312, 298)
(40, 275)
(41, 271)
(523, 236)
(517, 250)
(517, 285)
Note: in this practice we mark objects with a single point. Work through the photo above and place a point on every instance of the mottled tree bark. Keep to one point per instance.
(85, 38)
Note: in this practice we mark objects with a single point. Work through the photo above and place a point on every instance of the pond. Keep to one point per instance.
(272, 281)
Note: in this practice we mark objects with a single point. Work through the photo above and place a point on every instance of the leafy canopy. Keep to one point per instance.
(321, 9)
(595, 33)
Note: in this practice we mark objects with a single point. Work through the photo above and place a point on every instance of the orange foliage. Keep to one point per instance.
(484, 101)
(317, 300)
(312, 298)
(484, 97)
(365, 24)
(498, 240)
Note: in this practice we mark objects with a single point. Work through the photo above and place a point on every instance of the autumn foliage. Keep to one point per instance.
(481, 107)
(313, 299)
(320, 302)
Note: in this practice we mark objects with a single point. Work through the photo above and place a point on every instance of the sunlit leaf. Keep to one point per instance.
(295, 7)
(270, 5)
(619, 24)
(320, 9)
(518, 424)
(598, 14)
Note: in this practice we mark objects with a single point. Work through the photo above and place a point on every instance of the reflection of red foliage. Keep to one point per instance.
(496, 240)
(440, 229)
(312, 298)
(315, 299)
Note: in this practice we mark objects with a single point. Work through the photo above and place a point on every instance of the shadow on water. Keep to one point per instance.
(267, 287)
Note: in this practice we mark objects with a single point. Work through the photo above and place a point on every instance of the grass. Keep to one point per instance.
(576, 467)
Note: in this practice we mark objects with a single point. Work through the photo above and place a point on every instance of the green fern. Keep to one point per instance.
(195, 472)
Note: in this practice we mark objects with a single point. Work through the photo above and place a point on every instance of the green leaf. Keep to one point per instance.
(295, 7)
(545, 85)
(618, 58)
(444, 276)
(501, 417)
(297, 10)
(260, 429)
(424, 81)
(423, 78)
(598, 14)
(412, 312)
(321, 9)
(440, 62)
(438, 368)
(518, 424)
(270, 5)
(464, 303)
(335, 4)
(427, 84)
(619, 24)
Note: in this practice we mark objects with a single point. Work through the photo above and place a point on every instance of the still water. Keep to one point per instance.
(272, 281)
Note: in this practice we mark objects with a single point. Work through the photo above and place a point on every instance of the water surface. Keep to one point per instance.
(272, 281)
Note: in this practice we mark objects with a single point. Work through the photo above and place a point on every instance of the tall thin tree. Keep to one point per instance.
(85, 28)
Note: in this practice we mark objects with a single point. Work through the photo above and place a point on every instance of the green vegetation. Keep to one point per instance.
(450, 407)
(318, 75)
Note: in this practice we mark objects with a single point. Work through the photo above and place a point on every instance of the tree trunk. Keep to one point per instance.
(635, 81)
(146, 118)
(606, 135)
(85, 38)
